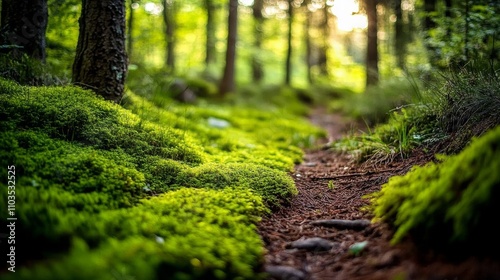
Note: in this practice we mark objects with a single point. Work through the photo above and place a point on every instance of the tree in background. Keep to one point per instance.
(399, 35)
(372, 73)
(323, 50)
(288, 64)
(169, 21)
(464, 31)
(258, 18)
(101, 61)
(23, 25)
(227, 82)
(210, 51)
(308, 40)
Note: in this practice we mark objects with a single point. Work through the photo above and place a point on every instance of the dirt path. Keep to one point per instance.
(331, 186)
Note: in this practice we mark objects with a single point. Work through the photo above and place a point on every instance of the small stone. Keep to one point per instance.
(217, 123)
(285, 272)
(388, 259)
(312, 244)
(310, 164)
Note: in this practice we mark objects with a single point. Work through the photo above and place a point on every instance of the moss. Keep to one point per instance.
(448, 204)
(275, 187)
(186, 234)
(72, 114)
(84, 168)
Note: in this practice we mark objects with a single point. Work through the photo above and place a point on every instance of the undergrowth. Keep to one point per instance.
(450, 204)
(452, 110)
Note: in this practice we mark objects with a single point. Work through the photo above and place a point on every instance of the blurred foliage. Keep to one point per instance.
(469, 33)
(454, 108)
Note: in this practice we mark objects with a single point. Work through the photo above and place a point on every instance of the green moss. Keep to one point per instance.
(186, 234)
(84, 168)
(274, 187)
(449, 203)
(72, 114)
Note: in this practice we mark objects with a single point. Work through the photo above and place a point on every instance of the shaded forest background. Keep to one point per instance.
(341, 43)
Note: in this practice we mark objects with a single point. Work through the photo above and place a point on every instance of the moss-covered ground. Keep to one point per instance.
(149, 189)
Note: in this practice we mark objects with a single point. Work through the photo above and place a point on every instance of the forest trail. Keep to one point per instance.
(332, 186)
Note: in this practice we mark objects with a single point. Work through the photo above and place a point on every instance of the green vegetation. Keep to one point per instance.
(157, 189)
(450, 204)
(455, 107)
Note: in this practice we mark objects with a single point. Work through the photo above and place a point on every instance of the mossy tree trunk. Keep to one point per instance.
(372, 73)
(101, 61)
(227, 82)
(23, 25)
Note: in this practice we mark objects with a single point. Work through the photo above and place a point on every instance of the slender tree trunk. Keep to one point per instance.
(429, 7)
(23, 25)
(227, 82)
(399, 36)
(308, 43)
(101, 61)
(323, 56)
(288, 65)
(130, 28)
(257, 69)
(372, 74)
(169, 21)
(210, 33)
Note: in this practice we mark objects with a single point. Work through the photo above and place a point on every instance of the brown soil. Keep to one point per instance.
(315, 201)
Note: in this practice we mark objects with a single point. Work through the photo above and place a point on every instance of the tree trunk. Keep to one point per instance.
(257, 70)
(288, 65)
(210, 30)
(323, 55)
(227, 82)
(101, 61)
(399, 36)
(308, 43)
(169, 21)
(372, 75)
(23, 24)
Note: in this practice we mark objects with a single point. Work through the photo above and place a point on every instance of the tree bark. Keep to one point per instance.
(372, 74)
(288, 64)
(23, 25)
(227, 82)
(169, 21)
(257, 69)
(101, 61)
(210, 33)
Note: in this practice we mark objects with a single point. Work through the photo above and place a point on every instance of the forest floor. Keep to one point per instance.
(343, 199)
